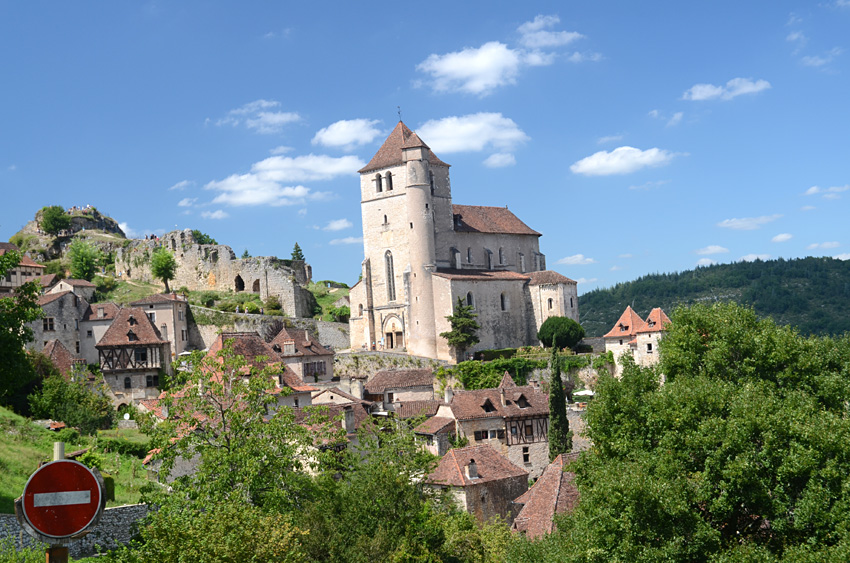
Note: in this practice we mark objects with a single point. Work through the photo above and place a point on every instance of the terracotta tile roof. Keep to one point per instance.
(48, 280)
(490, 464)
(159, 298)
(78, 283)
(110, 310)
(249, 345)
(400, 379)
(436, 425)
(507, 381)
(302, 415)
(554, 493)
(412, 409)
(656, 321)
(294, 382)
(481, 219)
(51, 297)
(548, 277)
(305, 344)
(25, 260)
(336, 391)
(487, 403)
(627, 325)
(8, 246)
(390, 152)
(60, 356)
(142, 327)
(480, 275)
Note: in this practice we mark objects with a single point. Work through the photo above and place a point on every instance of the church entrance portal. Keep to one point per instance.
(393, 334)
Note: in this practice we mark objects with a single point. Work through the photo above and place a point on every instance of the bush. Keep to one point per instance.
(252, 307)
(124, 447)
(562, 331)
(91, 460)
(273, 303)
(73, 403)
(68, 435)
(488, 355)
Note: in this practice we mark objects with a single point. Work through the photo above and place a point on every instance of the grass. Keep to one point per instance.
(128, 292)
(326, 297)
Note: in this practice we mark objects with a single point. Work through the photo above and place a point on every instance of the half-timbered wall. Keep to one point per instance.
(130, 358)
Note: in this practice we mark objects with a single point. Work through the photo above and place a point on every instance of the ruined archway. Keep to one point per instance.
(256, 287)
(239, 283)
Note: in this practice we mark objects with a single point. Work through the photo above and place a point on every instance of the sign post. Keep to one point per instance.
(62, 501)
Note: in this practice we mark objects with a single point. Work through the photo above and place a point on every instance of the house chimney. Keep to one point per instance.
(348, 420)
(502, 396)
(164, 411)
(471, 470)
(358, 388)
(449, 395)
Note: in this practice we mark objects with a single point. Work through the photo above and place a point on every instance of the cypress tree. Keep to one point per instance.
(560, 437)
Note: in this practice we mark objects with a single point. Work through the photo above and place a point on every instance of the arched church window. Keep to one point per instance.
(501, 255)
(469, 255)
(470, 302)
(489, 259)
(388, 260)
(378, 185)
(455, 258)
(389, 179)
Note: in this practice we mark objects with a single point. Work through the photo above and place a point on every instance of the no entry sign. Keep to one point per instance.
(62, 499)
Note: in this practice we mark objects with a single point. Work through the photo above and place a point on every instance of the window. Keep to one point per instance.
(529, 430)
(183, 335)
(649, 347)
(500, 434)
(360, 310)
(388, 260)
(504, 302)
(76, 325)
(141, 356)
(469, 256)
(296, 402)
(492, 434)
(78, 346)
(180, 314)
(489, 259)
(488, 406)
(521, 262)
(378, 185)
(131, 336)
(152, 381)
(470, 302)
(128, 383)
(480, 435)
(431, 178)
(390, 397)
(550, 302)
(89, 334)
(152, 316)
(386, 221)
(501, 255)
(131, 321)
(571, 302)
(621, 342)
(389, 181)
(47, 324)
(526, 458)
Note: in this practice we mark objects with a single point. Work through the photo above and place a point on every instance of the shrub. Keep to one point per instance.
(125, 447)
(562, 331)
(487, 355)
(91, 460)
(273, 303)
(68, 435)
(252, 307)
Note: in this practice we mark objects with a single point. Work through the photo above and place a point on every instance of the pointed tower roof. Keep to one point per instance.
(390, 153)
(656, 321)
(507, 381)
(627, 325)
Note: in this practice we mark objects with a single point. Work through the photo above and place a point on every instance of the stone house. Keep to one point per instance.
(648, 337)
(336, 396)
(482, 481)
(26, 270)
(635, 337)
(513, 420)
(63, 312)
(132, 356)
(554, 493)
(304, 355)
(48, 281)
(422, 253)
(400, 385)
(83, 288)
(435, 434)
(169, 313)
(96, 321)
(64, 361)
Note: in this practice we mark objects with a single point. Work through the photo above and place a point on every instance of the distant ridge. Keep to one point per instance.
(812, 294)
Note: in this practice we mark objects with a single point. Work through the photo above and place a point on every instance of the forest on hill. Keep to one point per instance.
(811, 294)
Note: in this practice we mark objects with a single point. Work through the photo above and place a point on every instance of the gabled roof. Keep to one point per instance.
(307, 416)
(435, 425)
(400, 379)
(110, 310)
(127, 320)
(548, 277)
(48, 280)
(305, 344)
(656, 321)
(390, 153)
(481, 219)
(554, 492)
(249, 345)
(159, 298)
(322, 396)
(490, 464)
(627, 325)
(507, 381)
(60, 356)
(25, 260)
(480, 275)
(412, 409)
(468, 405)
(78, 283)
(51, 297)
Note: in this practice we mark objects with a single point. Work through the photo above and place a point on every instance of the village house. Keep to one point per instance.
(482, 481)
(422, 253)
(392, 386)
(336, 396)
(83, 288)
(63, 312)
(169, 313)
(633, 336)
(304, 355)
(63, 360)
(513, 419)
(554, 493)
(26, 270)
(96, 321)
(436, 434)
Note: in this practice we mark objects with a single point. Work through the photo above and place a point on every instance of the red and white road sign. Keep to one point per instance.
(62, 498)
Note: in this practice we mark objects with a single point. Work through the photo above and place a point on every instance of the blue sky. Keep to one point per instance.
(637, 137)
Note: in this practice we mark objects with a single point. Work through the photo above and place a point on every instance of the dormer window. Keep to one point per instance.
(276, 348)
(131, 336)
(522, 402)
(131, 321)
(488, 406)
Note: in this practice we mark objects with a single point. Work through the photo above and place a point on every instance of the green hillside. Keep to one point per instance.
(812, 294)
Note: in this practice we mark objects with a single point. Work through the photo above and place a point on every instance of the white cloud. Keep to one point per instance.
(218, 214)
(281, 150)
(622, 160)
(796, 37)
(748, 223)
(256, 115)
(576, 260)
(182, 185)
(654, 113)
(616, 268)
(676, 119)
(782, 237)
(187, 202)
(609, 139)
(338, 225)
(264, 185)
(843, 256)
(828, 193)
(650, 185)
(302, 212)
(754, 257)
(586, 280)
(582, 57)
(473, 132)
(535, 34)
(500, 160)
(706, 262)
(347, 240)
(733, 88)
(712, 249)
(129, 232)
(824, 245)
(822, 60)
(808, 208)
(347, 133)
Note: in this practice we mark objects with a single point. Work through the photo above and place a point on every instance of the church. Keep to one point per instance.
(422, 253)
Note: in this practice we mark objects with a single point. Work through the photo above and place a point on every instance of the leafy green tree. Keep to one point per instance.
(560, 437)
(74, 403)
(54, 219)
(85, 258)
(562, 332)
(464, 332)
(163, 266)
(340, 314)
(16, 312)
(297, 254)
(202, 238)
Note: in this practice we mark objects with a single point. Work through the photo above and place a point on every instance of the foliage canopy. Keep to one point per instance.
(464, 332)
(202, 238)
(297, 253)
(85, 258)
(163, 266)
(562, 332)
(74, 403)
(54, 219)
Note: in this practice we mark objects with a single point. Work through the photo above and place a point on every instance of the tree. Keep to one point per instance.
(562, 332)
(340, 314)
(54, 219)
(297, 254)
(246, 254)
(464, 330)
(163, 266)
(202, 238)
(560, 437)
(74, 403)
(85, 258)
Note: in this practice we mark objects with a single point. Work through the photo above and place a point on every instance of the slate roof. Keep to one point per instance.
(548, 277)
(142, 327)
(468, 405)
(305, 345)
(159, 298)
(390, 153)
(491, 466)
(480, 275)
(481, 219)
(627, 325)
(110, 310)
(60, 356)
(412, 409)
(435, 425)
(656, 321)
(400, 379)
(554, 492)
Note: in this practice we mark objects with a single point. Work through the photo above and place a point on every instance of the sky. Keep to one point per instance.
(638, 137)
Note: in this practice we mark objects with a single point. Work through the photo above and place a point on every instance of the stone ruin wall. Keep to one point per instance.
(216, 267)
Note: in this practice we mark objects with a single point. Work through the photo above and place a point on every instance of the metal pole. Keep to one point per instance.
(58, 451)
(57, 553)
